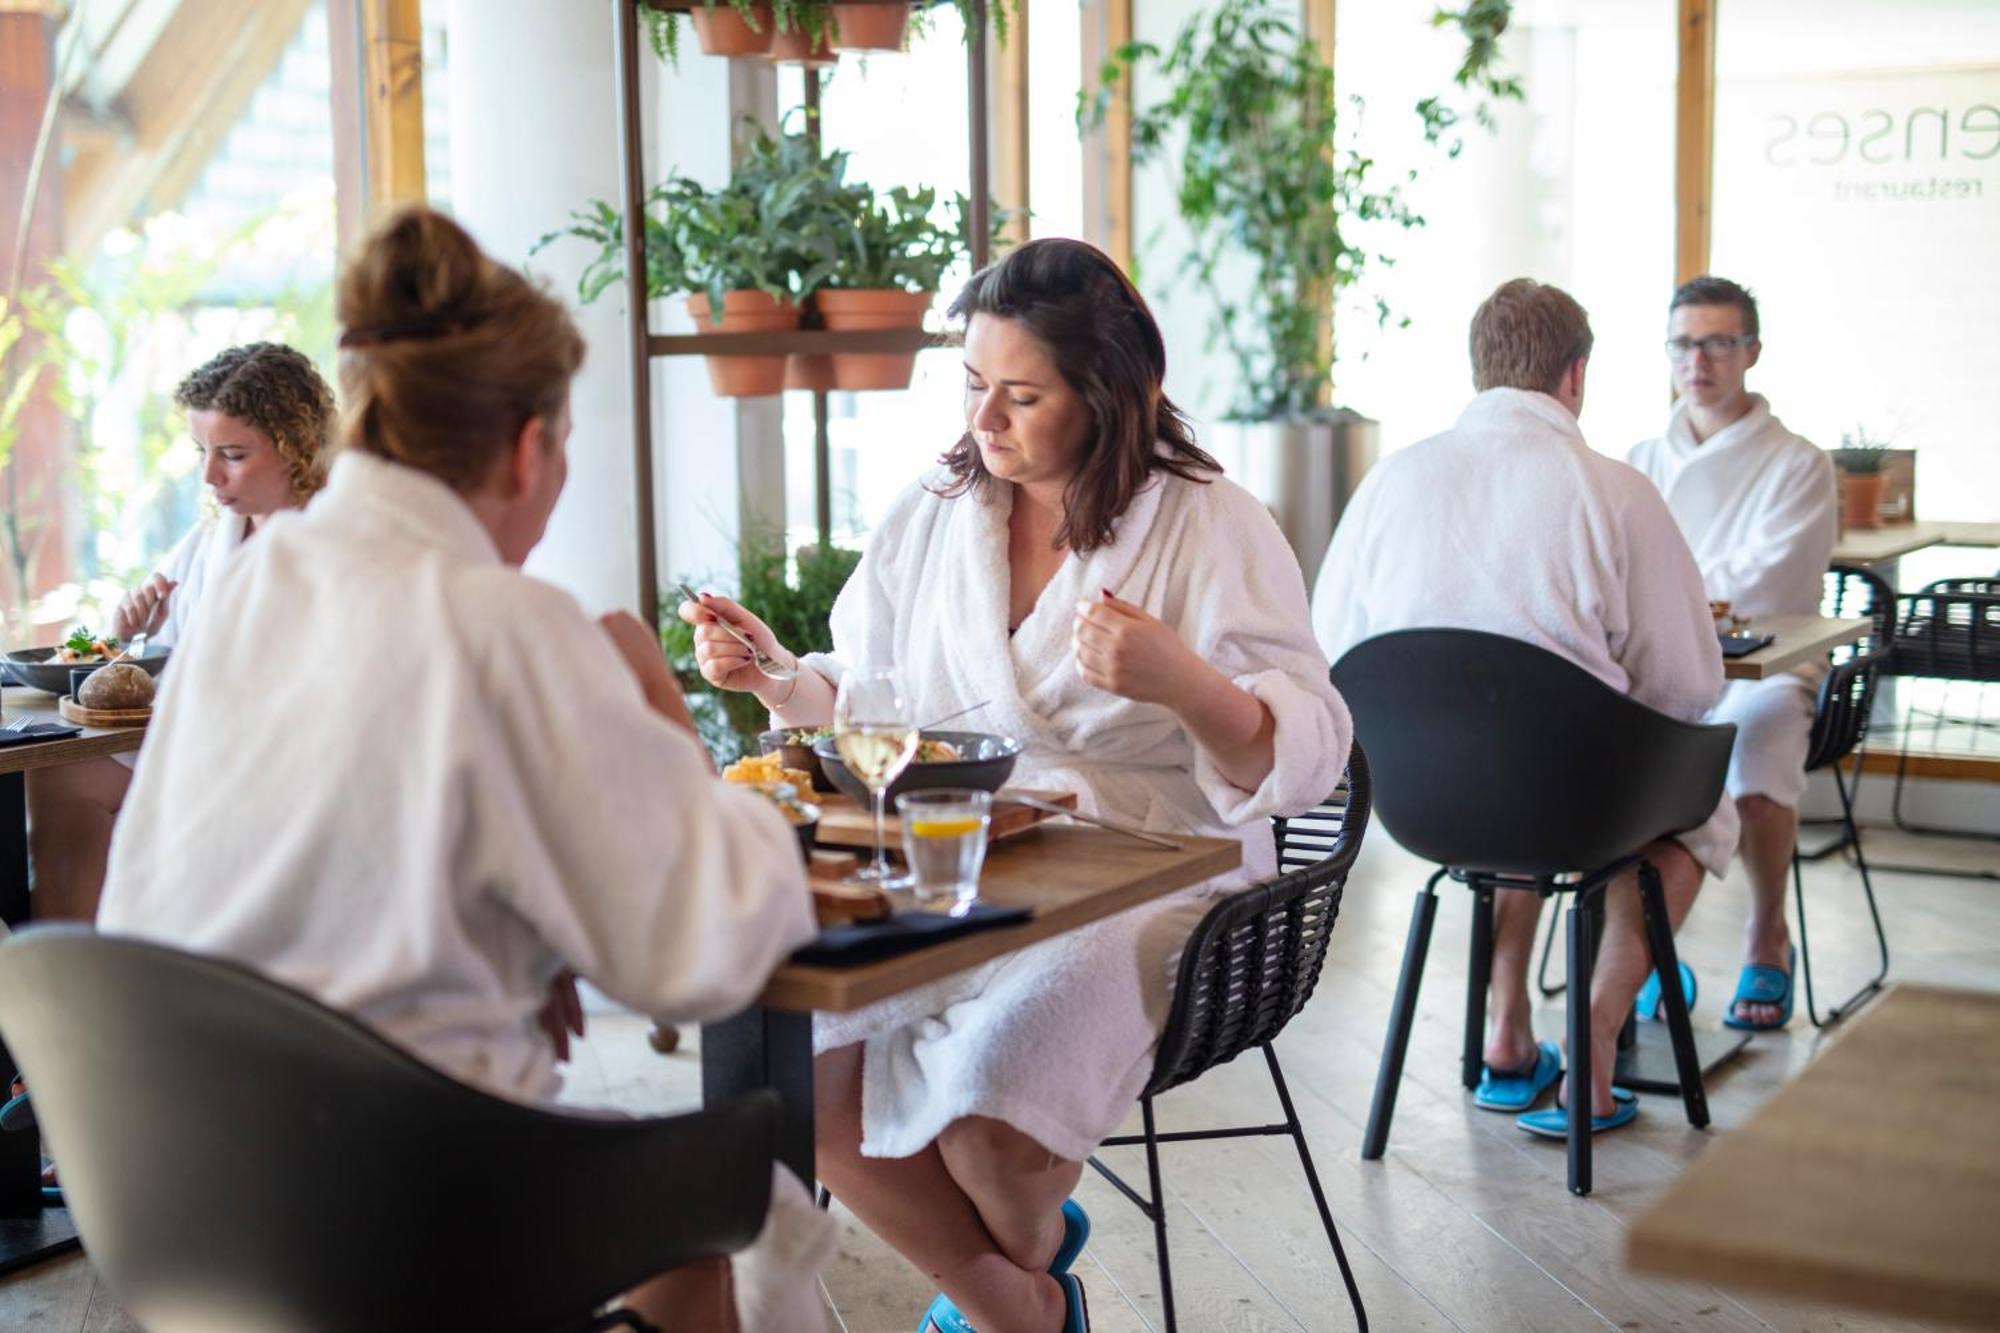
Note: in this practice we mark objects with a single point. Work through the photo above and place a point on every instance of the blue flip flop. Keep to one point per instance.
(1519, 1089)
(945, 1317)
(1553, 1123)
(1758, 984)
(1647, 1008)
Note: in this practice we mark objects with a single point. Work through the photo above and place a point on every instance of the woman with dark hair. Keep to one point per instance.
(262, 418)
(1140, 624)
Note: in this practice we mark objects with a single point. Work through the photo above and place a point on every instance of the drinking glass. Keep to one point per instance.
(875, 730)
(944, 840)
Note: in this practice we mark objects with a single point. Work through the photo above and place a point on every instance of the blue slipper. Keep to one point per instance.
(1554, 1122)
(1076, 1230)
(17, 1114)
(1757, 984)
(1648, 1008)
(943, 1316)
(1519, 1089)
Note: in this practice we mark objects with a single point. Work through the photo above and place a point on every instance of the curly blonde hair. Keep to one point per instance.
(277, 390)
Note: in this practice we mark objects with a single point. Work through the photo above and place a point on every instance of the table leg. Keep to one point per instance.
(766, 1048)
(29, 1232)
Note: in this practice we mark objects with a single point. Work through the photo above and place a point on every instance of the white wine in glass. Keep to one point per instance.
(875, 730)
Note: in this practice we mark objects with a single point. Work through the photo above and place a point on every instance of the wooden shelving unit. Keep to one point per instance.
(644, 344)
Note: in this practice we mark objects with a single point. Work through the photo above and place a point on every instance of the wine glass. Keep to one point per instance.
(875, 730)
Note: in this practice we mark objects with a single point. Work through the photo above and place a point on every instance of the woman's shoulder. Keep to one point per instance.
(1212, 499)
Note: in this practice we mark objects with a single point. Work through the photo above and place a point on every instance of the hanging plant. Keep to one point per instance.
(1481, 22)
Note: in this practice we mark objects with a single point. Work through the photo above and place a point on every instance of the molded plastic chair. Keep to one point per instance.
(1249, 967)
(1514, 768)
(238, 1157)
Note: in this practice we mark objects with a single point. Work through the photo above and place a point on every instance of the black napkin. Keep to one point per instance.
(1742, 645)
(38, 731)
(870, 941)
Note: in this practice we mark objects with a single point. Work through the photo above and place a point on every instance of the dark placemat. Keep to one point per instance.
(1742, 645)
(39, 731)
(871, 941)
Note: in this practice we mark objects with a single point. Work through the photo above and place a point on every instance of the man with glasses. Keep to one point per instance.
(1756, 503)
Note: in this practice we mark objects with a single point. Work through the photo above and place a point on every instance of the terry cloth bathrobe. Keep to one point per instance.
(1511, 524)
(1758, 505)
(399, 775)
(1057, 1039)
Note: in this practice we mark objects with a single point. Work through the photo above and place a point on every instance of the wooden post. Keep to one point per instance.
(1010, 124)
(378, 98)
(1107, 169)
(1319, 21)
(638, 330)
(980, 144)
(1694, 139)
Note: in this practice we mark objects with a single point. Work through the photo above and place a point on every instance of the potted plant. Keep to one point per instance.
(734, 28)
(1860, 462)
(1248, 129)
(871, 27)
(744, 254)
(804, 33)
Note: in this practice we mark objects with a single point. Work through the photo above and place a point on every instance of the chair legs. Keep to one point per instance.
(1401, 1015)
(1478, 973)
(1583, 928)
(1874, 983)
(1666, 961)
(1154, 1203)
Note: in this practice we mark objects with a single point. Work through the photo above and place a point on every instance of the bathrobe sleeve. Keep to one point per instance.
(1246, 615)
(600, 822)
(1339, 610)
(1667, 642)
(1792, 544)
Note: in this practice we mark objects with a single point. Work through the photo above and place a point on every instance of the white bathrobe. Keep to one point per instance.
(1759, 506)
(1509, 523)
(409, 780)
(1056, 1040)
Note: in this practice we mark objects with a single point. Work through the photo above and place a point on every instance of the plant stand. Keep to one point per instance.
(644, 344)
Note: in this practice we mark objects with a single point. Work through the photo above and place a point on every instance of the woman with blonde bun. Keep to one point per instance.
(412, 781)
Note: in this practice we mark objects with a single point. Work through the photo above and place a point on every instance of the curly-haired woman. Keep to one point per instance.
(263, 419)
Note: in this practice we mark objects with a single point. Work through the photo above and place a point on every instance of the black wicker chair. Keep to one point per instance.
(239, 1157)
(1515, 769)
(1948, 631)
(1249, 967)
(1840, 723)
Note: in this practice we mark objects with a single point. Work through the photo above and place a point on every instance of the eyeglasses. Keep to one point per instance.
(1715, 346)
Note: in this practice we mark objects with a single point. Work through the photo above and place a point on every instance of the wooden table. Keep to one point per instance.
(1800, 640)
(28, 1231)
(1069, 876)
(1872, 1181)
(1866, 546)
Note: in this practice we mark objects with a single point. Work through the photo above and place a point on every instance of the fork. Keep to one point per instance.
(760, 659)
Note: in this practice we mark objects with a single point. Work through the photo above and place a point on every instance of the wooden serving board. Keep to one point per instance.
(73, 711)
(844, 822)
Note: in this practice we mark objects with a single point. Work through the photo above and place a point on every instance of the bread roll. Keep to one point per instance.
(117, 687)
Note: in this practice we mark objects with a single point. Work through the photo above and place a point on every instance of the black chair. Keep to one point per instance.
(1248, 968)
(1513, 768)
(1840, 723)
(238, 1157)
(1948, 631)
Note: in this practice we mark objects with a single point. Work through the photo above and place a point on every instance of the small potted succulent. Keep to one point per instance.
(1860, 461)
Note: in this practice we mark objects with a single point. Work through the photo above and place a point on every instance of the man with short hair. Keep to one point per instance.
(1757, 504)
(1509, 523)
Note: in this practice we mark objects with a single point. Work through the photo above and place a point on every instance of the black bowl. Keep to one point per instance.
(35, 668)
(795, 756)
(987, 762)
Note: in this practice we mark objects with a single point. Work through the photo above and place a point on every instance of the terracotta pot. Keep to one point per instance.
(871, 27)
(745, 312)
(1861, 499)
(873, 309)
(809, 372)
(724, 32)
(793, 47)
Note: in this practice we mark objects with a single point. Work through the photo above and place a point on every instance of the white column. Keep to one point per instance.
(534, 123)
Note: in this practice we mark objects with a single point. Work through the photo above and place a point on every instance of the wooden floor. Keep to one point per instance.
(1466, 1225)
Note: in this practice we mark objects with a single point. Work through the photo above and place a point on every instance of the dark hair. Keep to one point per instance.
(1707, 290)
(1074, 301)
(1526, 336)
(277, 390)
(446, 354)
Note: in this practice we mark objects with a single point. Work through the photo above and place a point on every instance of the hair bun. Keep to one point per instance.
(419, 269)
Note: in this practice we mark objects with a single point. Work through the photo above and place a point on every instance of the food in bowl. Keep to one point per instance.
(765, 768)
(82, 648)
(802, 815)
(976, 759)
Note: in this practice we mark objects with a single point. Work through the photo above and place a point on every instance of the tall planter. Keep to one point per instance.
(859, 309)
(1861, 499)
(745, 312)
(1306, 470)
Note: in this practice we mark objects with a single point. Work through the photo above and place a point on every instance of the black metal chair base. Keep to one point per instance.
(1585, 920)
(1153, 1204)
(1873, 985)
